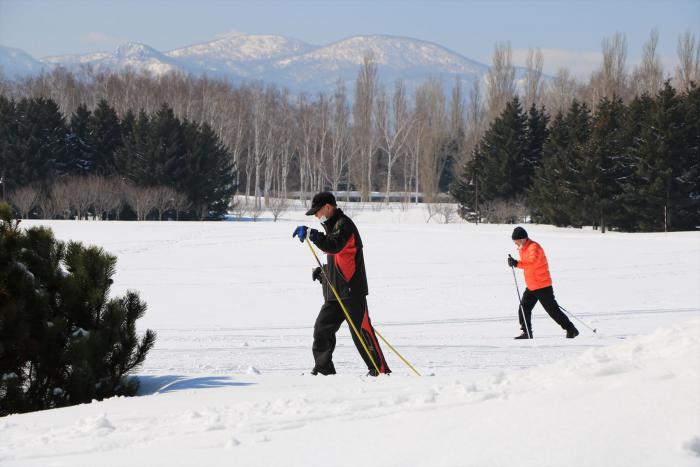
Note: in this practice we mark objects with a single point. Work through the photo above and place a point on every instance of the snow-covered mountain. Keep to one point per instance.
(242, 48)
(15, 63)
(412, 60)
(285, 61)
(132, 55)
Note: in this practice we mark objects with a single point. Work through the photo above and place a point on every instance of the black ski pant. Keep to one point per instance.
(327, 324)
(546, 297)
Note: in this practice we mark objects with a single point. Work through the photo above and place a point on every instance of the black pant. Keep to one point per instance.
(546, 298)
(327, 324)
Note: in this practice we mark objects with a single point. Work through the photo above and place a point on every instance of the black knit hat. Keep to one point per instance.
(519, 233)
(320, 200)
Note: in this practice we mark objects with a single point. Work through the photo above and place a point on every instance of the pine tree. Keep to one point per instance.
(209, 174)
(535, 137)
(38, 144)
(8, 132)
(639, 210)
(549, 197)
(129, 157)
(603, 169)
(663, 193)
(502, 155)
(572, 156)
(80, 152)
(62, 340)
(105, 132)
(165, 149)
(688, 214)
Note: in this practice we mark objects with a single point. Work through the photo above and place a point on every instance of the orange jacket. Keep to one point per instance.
(534, 263)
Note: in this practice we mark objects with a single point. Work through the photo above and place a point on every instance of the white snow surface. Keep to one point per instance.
(233, 305)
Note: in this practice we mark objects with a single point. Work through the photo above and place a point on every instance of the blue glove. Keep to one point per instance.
(313, 235)
(300, 232)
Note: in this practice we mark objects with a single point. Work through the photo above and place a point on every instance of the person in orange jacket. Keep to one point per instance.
(539, 285)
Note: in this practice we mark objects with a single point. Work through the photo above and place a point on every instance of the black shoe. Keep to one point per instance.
(524, 336)
(324, 373)
(571, 332)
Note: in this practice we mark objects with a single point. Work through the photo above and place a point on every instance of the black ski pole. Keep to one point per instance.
(577, 318)
(520, 301)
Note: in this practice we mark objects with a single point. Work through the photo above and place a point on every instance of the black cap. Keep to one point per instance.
(320, 200)
(519, 233)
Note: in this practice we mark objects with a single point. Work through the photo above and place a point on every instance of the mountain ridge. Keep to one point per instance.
(288, 62)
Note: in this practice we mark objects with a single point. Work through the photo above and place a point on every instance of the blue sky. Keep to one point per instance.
(569, 32)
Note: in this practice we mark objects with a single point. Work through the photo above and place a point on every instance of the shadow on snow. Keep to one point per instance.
(169, 383)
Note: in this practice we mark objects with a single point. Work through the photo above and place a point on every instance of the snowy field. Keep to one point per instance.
(233, 305)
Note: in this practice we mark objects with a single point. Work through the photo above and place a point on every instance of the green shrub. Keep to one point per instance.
(63, 341)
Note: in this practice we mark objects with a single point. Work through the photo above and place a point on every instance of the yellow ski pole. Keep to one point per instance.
(395, 351)
(342, 305)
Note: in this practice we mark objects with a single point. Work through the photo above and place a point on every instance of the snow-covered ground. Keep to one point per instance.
(234, 305)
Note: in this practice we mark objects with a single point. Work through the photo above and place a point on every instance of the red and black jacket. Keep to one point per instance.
(346, 265)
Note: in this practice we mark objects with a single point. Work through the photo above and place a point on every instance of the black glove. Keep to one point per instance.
(316, 275)
(313, 235)
(512, 262)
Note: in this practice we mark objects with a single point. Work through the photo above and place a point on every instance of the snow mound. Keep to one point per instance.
(630, 404)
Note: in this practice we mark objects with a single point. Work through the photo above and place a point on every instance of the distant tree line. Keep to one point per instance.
(630, 166)
(373, 139)
(97, 164)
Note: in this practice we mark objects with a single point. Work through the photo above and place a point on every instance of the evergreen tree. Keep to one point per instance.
(451, 149)
(165, 150)
(502, 155)
(62, 340)
(80, 152)
(549, 196)
(8, 133)
(162, 151)
(663, 192)
(129, 157)
(639, 213)
(38, 144)
(535, 137)
(209, 174)
(688, 216)
(105, 131)
(603, 170)
(465, 188)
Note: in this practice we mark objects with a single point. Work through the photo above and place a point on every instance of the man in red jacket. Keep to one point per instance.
(344, 272)
(539, 285)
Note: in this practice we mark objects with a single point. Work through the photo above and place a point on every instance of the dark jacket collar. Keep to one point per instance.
(328, 225)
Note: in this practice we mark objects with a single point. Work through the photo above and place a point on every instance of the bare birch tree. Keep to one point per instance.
(60, 193)
(363, 126)
(533, 78)
(430, 108)
(393, 124)
(340, 137)
(560, 92)
(25, 199)
(141, 200)
(500, 80)
(611, 79)
(476, 117)
(688, 69)
(181, 203)
(648, 77)
(163, 200)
